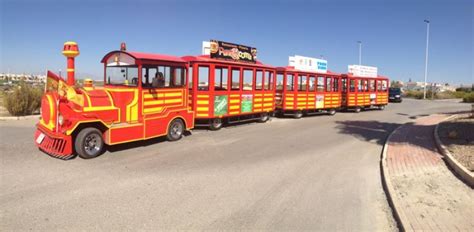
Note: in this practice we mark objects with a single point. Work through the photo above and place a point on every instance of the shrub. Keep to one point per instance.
(23, 100)
(468, 97)
(415, 94)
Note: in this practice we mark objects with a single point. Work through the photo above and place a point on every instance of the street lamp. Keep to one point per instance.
(360, 52)
(426, 55)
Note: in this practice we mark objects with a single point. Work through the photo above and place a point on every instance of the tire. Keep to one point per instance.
(298, 114)
(89, 143)
(357, 109)
(215, 124)
(263, 117)
(332, 112)
(382, 107)
(175, 130)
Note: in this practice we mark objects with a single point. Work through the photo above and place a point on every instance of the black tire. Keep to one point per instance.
(382, 107)
(357, 109)
(89, 143)
(332, 112)
(175, 130)
(298, 114)
(264, 117)
(215, 124)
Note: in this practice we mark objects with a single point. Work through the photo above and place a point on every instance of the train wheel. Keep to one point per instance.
(215, 124)
(89, 143)
(175, 130)
(298, 114)
(382, 107)
(332, 112)
(357, 109)
(264, 117)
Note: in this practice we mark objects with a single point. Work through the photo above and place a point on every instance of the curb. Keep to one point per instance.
(387, 185)
(464, 174)
(14, 118)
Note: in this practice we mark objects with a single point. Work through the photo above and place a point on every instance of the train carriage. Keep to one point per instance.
(226, 91)
(300, 92)
(364, 92)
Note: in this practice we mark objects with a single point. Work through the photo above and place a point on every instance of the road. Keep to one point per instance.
(315, 173)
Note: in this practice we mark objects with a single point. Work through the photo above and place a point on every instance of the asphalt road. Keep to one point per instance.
(316, 173)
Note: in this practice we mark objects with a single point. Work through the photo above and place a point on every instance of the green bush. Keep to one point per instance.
(23, 100)
(415, 94)
(468, 97)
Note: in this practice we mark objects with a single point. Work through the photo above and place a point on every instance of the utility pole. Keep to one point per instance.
(426, 57)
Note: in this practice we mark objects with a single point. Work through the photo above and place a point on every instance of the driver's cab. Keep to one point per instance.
(149, 89)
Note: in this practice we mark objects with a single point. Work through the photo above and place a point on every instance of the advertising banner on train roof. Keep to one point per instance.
(362, 71)
(234, 52)
(308, 64)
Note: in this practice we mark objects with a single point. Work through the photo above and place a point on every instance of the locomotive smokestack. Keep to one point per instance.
(70, 50)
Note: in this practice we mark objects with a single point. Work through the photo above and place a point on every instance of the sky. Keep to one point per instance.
(393, 33)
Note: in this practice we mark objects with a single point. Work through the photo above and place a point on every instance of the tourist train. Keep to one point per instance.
(146, 96)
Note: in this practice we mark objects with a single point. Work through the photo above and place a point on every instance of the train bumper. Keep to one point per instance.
(54, 144)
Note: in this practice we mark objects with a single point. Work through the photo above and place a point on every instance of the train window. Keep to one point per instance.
(335, 86)
(203, 75)
(248, 79)
(384, 85)
(320, 84)
(312, 84)
(379, 85)
(221, 77)
(268, 80)
(359, 86)
(178, 77)
(302, 83)
(352, 85)
(147, 73)
(279, 84)
(328, 84)
(289, 82)
(372, 85)
(235, 79)
(258, 80)
(165, 72)
(344, 85)
(364, 86)
(190, 77)
(122, 76)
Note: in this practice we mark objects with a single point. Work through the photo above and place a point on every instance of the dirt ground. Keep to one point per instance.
(458, 136)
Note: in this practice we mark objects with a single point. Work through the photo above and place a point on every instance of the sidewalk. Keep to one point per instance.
(425, 193)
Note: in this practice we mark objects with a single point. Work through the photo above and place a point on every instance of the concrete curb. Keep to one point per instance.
(464, 174)
(387, 185)
(14, 118)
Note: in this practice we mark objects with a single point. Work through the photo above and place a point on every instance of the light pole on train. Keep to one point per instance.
(426, 56)
(360, 52)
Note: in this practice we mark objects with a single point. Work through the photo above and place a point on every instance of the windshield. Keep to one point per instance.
(394, 90)
(122, 75)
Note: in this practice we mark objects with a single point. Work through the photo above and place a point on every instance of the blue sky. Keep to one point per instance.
(392, 32)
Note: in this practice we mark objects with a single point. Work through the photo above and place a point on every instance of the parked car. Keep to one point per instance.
(394, 95)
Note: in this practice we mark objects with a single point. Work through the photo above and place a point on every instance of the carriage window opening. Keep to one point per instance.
(268, 80)
(179, 77)
(379, 85)
(302, 83)
(344, 85)
(221, 77)
(203, 75)
(165, 71)
(121, 75)
(312, 84)
(279, 84)
(259, 80)
(289, 82)
(328, 84)
(248, 79)
(372, 85)
(335, 86)
(320, 84)
(148, 74)
(363, 86)
(190, 77)
(359, 86)
(384, 85)
(352, 85)
(235, 79)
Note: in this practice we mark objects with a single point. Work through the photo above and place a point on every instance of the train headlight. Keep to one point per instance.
(60, 120)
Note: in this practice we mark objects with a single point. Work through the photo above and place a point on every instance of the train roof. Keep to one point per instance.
(378, 76)
(292, 69)
(208, 59)
(146, 56)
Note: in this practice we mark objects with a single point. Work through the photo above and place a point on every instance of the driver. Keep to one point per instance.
(158, 80)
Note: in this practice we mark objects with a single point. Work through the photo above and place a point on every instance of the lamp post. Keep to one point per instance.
(426, 55)
(360, 52)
